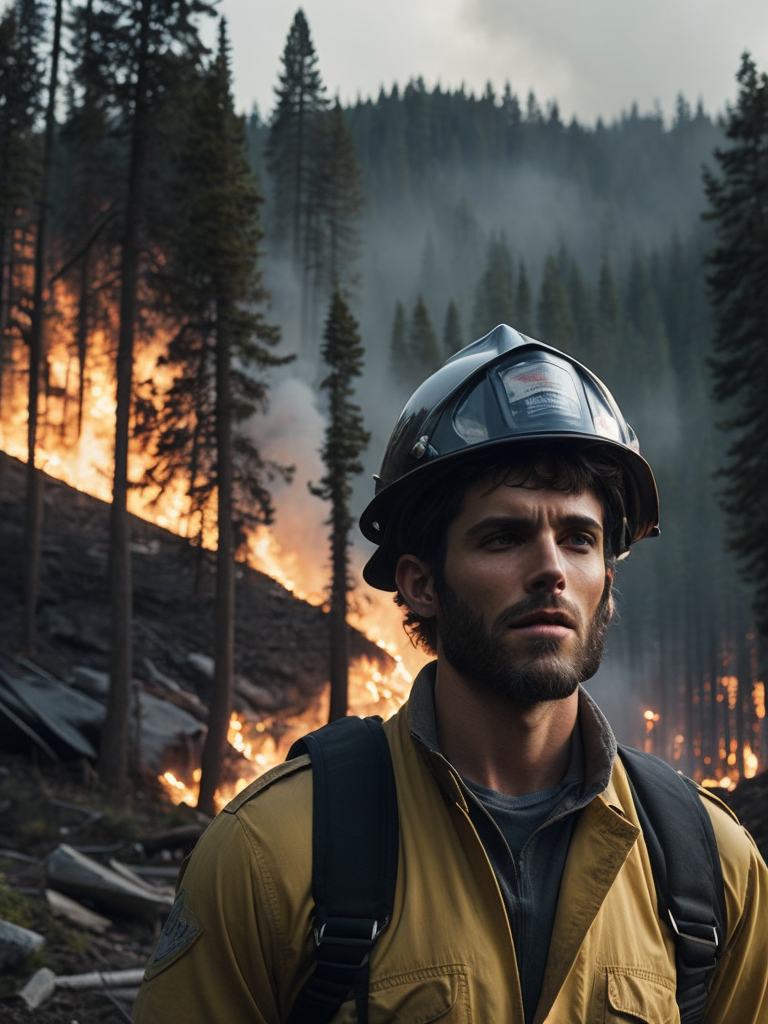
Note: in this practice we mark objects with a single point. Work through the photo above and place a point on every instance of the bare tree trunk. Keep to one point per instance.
(34, 491)
(220, 704)
(82, 336)
(113, 751)
(339, 637)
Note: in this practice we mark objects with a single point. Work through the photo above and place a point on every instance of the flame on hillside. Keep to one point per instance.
(265, 742)
(78, 450)
(84, 459)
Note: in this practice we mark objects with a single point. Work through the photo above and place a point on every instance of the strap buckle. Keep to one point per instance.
(346, 941)
(687, 931)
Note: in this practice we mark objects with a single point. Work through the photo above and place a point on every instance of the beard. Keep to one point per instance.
(544, 672)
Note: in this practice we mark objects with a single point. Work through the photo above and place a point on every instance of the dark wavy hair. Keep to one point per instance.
(420, 525)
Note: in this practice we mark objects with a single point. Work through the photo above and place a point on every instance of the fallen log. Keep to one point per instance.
(44, 983)
(76, 913)
(81, 877)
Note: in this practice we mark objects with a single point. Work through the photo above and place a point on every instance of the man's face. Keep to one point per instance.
(524, 601)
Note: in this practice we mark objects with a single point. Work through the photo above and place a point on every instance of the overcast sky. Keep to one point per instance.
(595, 57)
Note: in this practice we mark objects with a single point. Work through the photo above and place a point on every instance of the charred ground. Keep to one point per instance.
(281, 665)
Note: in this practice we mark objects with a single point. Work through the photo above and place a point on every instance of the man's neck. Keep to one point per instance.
(490, 740)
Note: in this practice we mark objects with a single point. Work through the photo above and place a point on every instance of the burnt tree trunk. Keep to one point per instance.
(33, 535)
(220, 703)
(113, 752)
(337, 619)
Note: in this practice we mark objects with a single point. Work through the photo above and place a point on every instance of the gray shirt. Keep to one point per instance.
(527, 838)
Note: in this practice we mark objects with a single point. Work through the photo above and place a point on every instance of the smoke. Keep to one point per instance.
(600, 58)
(291, 434)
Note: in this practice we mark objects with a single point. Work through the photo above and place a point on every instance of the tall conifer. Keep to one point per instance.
(738, 271)
(153, 45)
(336, 195)
(423, 348)
(212, 284)
(345, 440)
(494, 303)
(555, 316)
(291, 151)
(452, 335)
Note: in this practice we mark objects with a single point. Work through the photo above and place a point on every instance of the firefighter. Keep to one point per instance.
(525, 891)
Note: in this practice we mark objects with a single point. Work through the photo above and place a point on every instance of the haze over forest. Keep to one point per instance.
(463, 193)
(438, 214)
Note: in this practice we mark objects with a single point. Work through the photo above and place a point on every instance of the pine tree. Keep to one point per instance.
(88, 211)
(158, 45)
(523, 302)
(555, 317)
(22, 28)
(345, 440)
(493, 297)
(34, 479)
(398, 345)
(291, 151)
(738, 271)
(423, 348)
(452, 335)
(212, 282)
(336, 207)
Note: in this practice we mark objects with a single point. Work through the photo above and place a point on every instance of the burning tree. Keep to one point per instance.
(345, 440)
(210, 280)
(154, 48)
(34, 496)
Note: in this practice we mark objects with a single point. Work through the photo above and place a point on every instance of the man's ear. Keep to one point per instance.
(416, 583)
(609, 577)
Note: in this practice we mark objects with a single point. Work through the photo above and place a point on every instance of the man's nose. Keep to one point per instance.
(545, 572)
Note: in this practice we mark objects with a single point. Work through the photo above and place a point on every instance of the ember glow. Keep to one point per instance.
(651, 718)
(265, 742)
(84, 459)
(78, 451)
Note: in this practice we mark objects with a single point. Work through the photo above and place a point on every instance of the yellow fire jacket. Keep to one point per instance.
(238, 946)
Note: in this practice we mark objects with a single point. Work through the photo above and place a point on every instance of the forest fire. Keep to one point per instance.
(75, 445)
(265, 742)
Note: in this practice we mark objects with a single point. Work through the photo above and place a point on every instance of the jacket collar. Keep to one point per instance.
(597, 740)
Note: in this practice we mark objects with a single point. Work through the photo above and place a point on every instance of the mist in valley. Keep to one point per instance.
(625, 196)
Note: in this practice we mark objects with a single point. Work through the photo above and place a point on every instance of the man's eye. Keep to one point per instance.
(582, 540)
(502, 540)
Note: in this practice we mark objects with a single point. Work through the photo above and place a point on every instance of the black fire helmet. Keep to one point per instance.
(499, 391)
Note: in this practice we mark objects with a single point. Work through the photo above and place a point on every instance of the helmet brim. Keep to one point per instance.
(641, 495)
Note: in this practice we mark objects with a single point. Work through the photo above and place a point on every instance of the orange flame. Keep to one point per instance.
(265, 742)
(85, 461)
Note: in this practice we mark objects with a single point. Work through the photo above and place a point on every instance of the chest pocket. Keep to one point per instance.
(418, 997)
(640, 996)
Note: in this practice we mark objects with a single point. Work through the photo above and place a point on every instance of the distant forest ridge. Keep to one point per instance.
(417, 145)
(482, 209)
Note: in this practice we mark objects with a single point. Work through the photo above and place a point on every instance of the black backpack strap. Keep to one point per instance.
(355, 838)
(686, 867)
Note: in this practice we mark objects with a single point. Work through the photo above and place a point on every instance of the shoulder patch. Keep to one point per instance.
(181, 930)
(267, 779)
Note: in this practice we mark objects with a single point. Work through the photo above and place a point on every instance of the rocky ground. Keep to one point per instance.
(281, 643)
(42, 806)
(281, 665)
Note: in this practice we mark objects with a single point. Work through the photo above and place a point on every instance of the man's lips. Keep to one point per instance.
(544, 623)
